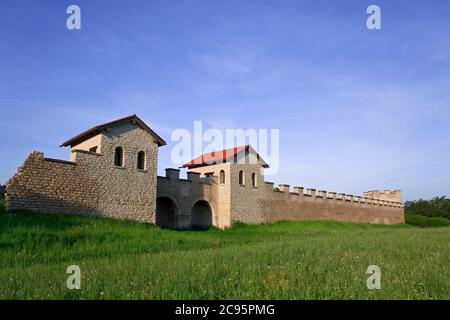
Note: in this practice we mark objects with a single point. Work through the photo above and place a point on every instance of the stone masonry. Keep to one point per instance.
(91, 184)
(104, 177)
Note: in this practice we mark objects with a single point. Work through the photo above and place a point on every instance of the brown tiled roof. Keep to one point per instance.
(98, 129)
(221, 156)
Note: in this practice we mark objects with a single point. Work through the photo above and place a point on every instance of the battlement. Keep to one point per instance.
(387, 195)
(192, 177)
(371, 198)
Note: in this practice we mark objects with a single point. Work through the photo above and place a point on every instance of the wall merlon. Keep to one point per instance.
(298, 190)
(322, 194)
(193, 176)
(207, 179)
(284, 188)
(173, 174)
(311, 193)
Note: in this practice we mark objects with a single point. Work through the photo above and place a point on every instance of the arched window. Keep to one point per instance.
(118, 157)
(241, 177)
(253, 179)
(141, 160)
(222, 177)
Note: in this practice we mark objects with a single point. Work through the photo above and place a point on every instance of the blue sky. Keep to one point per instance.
(357, 109)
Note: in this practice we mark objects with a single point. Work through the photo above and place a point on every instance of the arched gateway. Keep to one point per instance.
(201, 215)
(166, 213)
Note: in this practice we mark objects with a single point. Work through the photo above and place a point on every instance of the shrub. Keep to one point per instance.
(2, 195)
(436, 207)
(426, 222)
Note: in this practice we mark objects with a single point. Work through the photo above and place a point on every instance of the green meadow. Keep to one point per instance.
(285, 260)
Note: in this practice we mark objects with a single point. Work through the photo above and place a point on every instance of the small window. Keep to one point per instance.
(118, 157)
(241, 177)
(141, 160)
(222, 177)
(253, 179)
(235, 159)
(93, 149)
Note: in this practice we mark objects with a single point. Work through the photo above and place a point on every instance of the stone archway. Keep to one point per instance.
(166, 213)
(201, 215)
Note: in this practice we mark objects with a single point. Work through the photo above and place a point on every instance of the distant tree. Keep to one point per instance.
(436, 207)
(276, 189)
(2, 194)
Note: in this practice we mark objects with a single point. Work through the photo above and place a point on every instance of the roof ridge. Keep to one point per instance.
(96, 130)
(220, 156)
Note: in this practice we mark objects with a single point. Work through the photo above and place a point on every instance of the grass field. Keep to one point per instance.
(286, 260)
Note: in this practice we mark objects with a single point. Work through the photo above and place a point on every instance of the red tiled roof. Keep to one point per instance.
(97, 129)
(217, 157)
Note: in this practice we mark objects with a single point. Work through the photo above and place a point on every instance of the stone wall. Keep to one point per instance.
(91, 184)
(261, 204)
(185, 193)
(245, 198)
(49, 185)
(297, 205)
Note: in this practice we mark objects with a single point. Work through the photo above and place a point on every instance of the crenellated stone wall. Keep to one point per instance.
(323, 205)
(261, 203)
(393, 196)
(92, 184)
